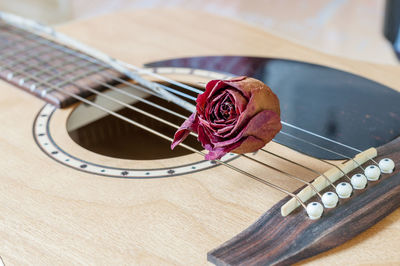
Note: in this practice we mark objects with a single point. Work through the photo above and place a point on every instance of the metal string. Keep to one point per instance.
(179, 115)
(79, 98)
(31, 25)
(318, 146)
(283, 172)
(183, 145)
(195, 135)
(185, 86)
(303, 166)
(162, 108)
(113, 63)
(164, 121)
(177, 127)
(154, 117)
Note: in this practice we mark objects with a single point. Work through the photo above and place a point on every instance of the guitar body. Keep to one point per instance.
(54, 214)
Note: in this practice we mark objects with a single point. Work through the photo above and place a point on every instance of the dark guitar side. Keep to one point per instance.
(274, 240)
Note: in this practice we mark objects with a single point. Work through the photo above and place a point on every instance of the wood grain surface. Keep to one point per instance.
(297, 237)
(51, 214)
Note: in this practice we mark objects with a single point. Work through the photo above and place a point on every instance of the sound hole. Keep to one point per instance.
(107, 135)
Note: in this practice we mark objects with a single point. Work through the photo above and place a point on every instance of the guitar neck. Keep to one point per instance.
(43, 67)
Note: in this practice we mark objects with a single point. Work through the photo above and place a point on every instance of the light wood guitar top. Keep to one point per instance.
(52, 214)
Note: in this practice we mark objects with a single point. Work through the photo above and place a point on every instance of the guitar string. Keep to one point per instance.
(253, 159)
(95, 61)
(193, 134)
(323, 148)
(177, 114)
(184, 117)
(321, 160)
(156, 118)
(21, 81)
(23, 23)
(20, 30)
(176, 127)
(328, 179)
(184, 86)
(81, 99)
(303, 166)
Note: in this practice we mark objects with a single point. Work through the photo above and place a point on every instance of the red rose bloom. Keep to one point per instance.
(239, 115)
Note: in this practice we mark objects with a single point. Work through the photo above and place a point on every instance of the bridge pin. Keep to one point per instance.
(344, 190)
(330, 199)
(314, 210)
(372, 172)
(359, 181)
(386, 165)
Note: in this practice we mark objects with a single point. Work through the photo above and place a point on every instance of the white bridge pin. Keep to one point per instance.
(314, 210)
(372, 172)
(359, 181)
(386, 165)
(330, 199)
(344, 190)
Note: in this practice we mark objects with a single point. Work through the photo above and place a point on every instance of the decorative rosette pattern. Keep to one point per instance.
(239, 115)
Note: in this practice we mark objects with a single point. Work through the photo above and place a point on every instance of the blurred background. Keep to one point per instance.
(347, 28)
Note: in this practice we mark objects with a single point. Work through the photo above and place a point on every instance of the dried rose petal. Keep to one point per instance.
(239, 115)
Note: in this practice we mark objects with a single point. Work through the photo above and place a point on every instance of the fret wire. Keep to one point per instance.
(70, 80)
(31, 56)
(170, 139)
(12, 53)
(73, 52)
(25, 57)
(52, 44)
(37, 40)
(87, 58)
(44, 71)
(7, 44)
(48, 43)
(18, 31)
(95, 61)
(43, 63)
(7, 35)
(51, 76)
(23, 33)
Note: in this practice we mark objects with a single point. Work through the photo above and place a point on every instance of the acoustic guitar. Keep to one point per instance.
(88, 177)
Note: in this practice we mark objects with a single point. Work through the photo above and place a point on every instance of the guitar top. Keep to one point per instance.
(58, 204)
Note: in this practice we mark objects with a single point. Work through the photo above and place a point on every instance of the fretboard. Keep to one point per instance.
(44, 68)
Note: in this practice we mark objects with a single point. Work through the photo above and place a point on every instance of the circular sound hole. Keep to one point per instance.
(108, 135)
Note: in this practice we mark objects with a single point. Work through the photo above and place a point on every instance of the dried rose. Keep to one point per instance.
(239, 115)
